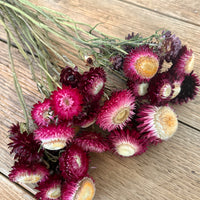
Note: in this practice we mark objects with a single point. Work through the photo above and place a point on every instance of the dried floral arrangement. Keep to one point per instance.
(79, 114)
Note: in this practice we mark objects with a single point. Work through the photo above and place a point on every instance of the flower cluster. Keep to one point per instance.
(55, 155)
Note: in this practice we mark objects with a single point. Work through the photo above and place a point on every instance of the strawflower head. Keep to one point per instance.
(92, 142)
(127, 143)
(92, 84)
(74, 163)
(66, 102)
(160, 89)
(116, 111)
(28, 172)
(184, 63)
(70, 77)
(157, 123)
(189, 89)
(23, 145)
(83, 189)
(141, 63)
(49, 189)
(41, 113)
(54, 137)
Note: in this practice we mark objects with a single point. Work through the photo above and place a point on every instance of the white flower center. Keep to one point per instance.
(165, 91)
(125, 149)
(165, 122)
(176, 89)
(78, 160)
(122, 115)
(54, 143)
(89, 123)
(142, 89)
(97, 87)
(54, 193)
(29, 178)
(189, 66)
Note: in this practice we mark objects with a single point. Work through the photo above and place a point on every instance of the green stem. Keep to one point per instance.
(17, 85)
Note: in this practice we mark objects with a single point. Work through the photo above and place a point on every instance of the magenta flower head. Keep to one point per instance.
(127, 143)
(92, 142)
(66, 102)
(69, 76)
(184, 63)
(28, 172)
(54, 137)
(92, 84)
(116, 111)
(141, 64)
(50, 188)
(74, 163)
(157, 123)
(189, 89)
(160, 89)
(41, 113)
(83, 189)
(23, 145)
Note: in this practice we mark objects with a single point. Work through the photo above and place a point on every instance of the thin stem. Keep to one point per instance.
(17, 85)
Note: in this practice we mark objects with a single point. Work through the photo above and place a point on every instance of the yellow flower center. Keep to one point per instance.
(29, 178)
(121, 115)
(189, 66)
(166, 123)
(86, 190)
(146, 66)
(125, 149)
(54, 193)
(54, 144)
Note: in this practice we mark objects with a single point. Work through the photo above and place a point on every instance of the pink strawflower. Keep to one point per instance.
(141, 64)
(92, 141)
(160, 89)
(41, 113)
(28, 172)
(157, 123)
(74, 163)
(23, 145)
(92, 84)
(66, 102)
(127, 143)
(184, 63)
(83, 189)
(189, 89)
(49, 189)
(54, 137)
(116, 111)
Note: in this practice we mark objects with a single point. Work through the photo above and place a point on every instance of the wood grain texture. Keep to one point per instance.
(185, 10)
(120, 18)
(11, 191)
(167, 171)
